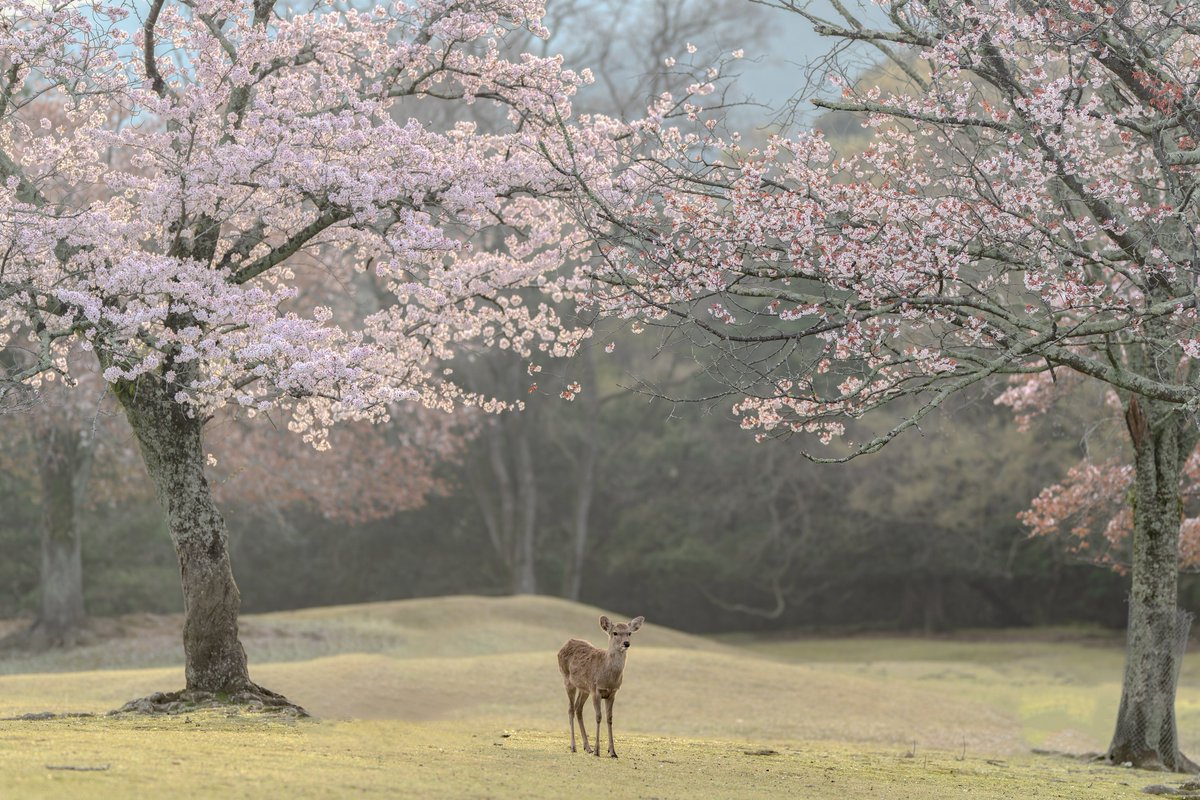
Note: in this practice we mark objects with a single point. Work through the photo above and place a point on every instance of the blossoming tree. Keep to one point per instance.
(370, 472)
(1089, 510)
(1025, 204)
(212, 152)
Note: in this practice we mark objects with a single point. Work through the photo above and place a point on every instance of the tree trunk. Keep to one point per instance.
(1001, 601)
(170, 442)
(63, 461)
(585, 474)
(583, 504)
(524, 574)
(1146, 734)
(933, 606)
(509, 505)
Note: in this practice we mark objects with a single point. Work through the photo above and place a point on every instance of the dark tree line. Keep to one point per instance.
(634, 501)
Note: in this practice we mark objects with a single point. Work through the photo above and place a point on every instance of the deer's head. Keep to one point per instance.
(619, 632)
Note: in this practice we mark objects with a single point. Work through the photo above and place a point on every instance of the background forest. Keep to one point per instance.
(619, 497)
(615, 498)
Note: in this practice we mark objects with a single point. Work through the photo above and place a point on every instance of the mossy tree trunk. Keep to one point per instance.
(1146, 734)
(171, 446)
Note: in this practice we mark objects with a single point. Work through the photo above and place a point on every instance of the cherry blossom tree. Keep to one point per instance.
(1025, 206)
(369, 472)
(1089, 510)
(214, 150)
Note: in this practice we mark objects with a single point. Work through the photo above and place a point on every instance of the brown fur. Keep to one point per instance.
(588, 670)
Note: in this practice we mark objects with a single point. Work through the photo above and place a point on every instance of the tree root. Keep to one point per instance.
(250, 698)
(1149, 760)
(35, 716)
(1191, 789)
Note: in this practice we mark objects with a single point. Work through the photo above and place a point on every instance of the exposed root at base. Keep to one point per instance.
(1188, 790)
(1150, 761)
(1094, 758)
(35, 716)
(252, 698)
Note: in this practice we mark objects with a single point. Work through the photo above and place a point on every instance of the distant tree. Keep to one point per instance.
(75, 450)
(1024, 207)
(922, 536)
(58, 447)
(369, 472)
(269, 142)
(532, 501)
(55, 446)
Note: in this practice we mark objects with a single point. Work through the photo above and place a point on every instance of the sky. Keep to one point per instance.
(779, 72)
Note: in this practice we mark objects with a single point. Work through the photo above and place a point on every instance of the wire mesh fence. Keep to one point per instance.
(1146, 727)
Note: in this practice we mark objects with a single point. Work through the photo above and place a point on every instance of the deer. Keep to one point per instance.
(588, 670)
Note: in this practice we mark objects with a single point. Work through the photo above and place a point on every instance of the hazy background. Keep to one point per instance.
(618, 498)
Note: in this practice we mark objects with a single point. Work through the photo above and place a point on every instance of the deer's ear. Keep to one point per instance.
(636, 623)
(604, 623)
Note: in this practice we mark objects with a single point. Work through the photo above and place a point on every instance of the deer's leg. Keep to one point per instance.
(580, 699)
(596, 705)
(571, 714)
(608, 704)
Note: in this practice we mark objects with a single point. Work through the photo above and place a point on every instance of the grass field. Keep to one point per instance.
(460, 697)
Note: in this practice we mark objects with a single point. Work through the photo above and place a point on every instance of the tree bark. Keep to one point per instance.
(63, 464)
(509, 504)
(524, 574)
(1146, 734)
(585, 473)
(585, 488)
(172, 449)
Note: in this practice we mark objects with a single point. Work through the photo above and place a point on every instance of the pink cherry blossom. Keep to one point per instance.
(178, 210)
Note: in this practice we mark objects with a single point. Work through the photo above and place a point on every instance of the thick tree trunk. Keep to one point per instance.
(171, 447)
(1146, 734)
(63, 464)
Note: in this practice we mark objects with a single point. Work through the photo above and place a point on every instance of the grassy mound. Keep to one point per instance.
(443, 627)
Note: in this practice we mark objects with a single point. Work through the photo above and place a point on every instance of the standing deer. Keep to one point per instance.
(590, 670)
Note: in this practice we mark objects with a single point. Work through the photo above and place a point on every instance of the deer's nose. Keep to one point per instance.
(625, 644)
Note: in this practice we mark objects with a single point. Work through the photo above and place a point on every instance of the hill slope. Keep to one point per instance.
(494, 658)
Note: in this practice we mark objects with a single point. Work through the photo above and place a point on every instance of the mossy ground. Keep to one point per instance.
(460, 697)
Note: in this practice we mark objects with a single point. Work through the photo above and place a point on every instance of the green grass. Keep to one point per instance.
(1062, 687)
(211, 755)
(460, 697)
